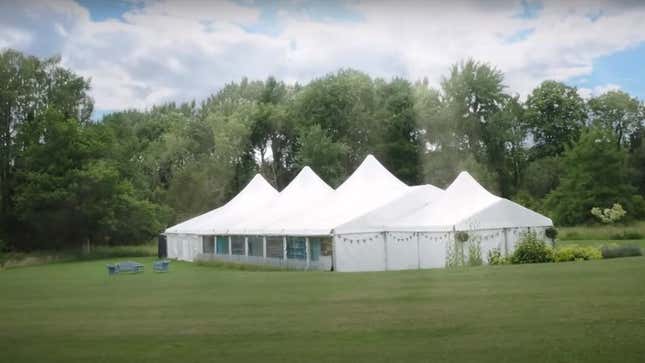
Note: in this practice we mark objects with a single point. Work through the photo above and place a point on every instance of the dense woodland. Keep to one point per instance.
(66, 180)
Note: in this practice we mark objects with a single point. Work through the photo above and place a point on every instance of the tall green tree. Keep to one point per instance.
(618, 112)
(399, 145)
(595, 174)
(555, 116)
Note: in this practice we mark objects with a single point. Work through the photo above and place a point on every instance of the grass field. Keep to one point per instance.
(565, 312)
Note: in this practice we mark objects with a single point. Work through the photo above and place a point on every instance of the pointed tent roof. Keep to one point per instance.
(256, 193)
(467, 205)
(414, 199)
(370, 186)
(305, 190)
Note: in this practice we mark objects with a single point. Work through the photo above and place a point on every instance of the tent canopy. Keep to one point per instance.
(306, 190)
(255, 194)
(370, 186)
(414, 199)
(466, 205)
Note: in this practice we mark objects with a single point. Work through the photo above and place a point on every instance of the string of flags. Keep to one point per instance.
(432, 236)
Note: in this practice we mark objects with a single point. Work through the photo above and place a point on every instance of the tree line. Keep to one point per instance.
(66, 180)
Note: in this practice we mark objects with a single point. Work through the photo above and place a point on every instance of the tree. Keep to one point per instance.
(399, 145)
(595, 174)
(29, 88)
(618, 112)
(69, 193)
(317, 150)
(555, 115)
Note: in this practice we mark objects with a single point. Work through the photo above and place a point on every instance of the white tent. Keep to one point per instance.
(425, 237)
(302, 195)
(466, 205)
(376, 220)
(369, 187)
(184, 240)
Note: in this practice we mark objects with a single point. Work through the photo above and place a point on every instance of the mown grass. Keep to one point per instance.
(579, 311)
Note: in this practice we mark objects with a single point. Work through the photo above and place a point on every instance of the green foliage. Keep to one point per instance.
(615, 251)
(475, 253)
(620, 231)
(323, 155)
(609, 215)
(461, 236)
(617, 112)
(495, 257)
(575, 253)
(531, 250)
(596, 174)
(555, 117)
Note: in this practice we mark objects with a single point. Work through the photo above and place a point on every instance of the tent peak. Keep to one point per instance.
(307, 179)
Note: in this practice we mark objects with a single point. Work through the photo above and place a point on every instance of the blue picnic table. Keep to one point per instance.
(125, 267)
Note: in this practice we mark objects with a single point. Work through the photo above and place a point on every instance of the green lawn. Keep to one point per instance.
(566, 312)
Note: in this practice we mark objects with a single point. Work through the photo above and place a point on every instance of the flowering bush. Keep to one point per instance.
(609, 215)
(495, 257)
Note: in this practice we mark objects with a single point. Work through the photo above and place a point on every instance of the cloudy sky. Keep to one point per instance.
(140, 53)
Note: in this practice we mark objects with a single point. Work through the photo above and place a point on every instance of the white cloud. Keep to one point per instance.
(588, 93)
(172, 50)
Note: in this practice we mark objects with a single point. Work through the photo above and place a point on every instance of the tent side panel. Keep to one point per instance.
(172, 241)
(359, 252)
(402, 253)
(432, 249)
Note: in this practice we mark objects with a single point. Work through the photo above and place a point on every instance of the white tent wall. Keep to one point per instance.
(184, 247)
(402, 251)
(359, 252)
(433, 247)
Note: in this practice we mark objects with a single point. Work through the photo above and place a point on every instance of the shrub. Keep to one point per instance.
(574, 253)
(475, 253)
(532, 250)
(495, 257)
(609, 215)
(462, 236)
(614, 251)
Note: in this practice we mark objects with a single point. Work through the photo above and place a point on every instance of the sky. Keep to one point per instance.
(138, 53)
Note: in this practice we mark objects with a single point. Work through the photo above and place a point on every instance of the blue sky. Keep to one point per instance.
(144, 52)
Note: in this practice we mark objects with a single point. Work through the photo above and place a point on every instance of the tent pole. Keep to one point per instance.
(264, 246)
(307, 257)
(418, 250)
(284, 247)
(246, 246)
(230, 246)
(505, 241)
(385, 248)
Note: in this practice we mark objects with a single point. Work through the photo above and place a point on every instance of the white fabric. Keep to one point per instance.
(432, 249)
(359, 252)
(255, 195)
(414, 199)
(184, 247)
(369, 187)
(304, 193)
(402, 251)
(466, 205)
